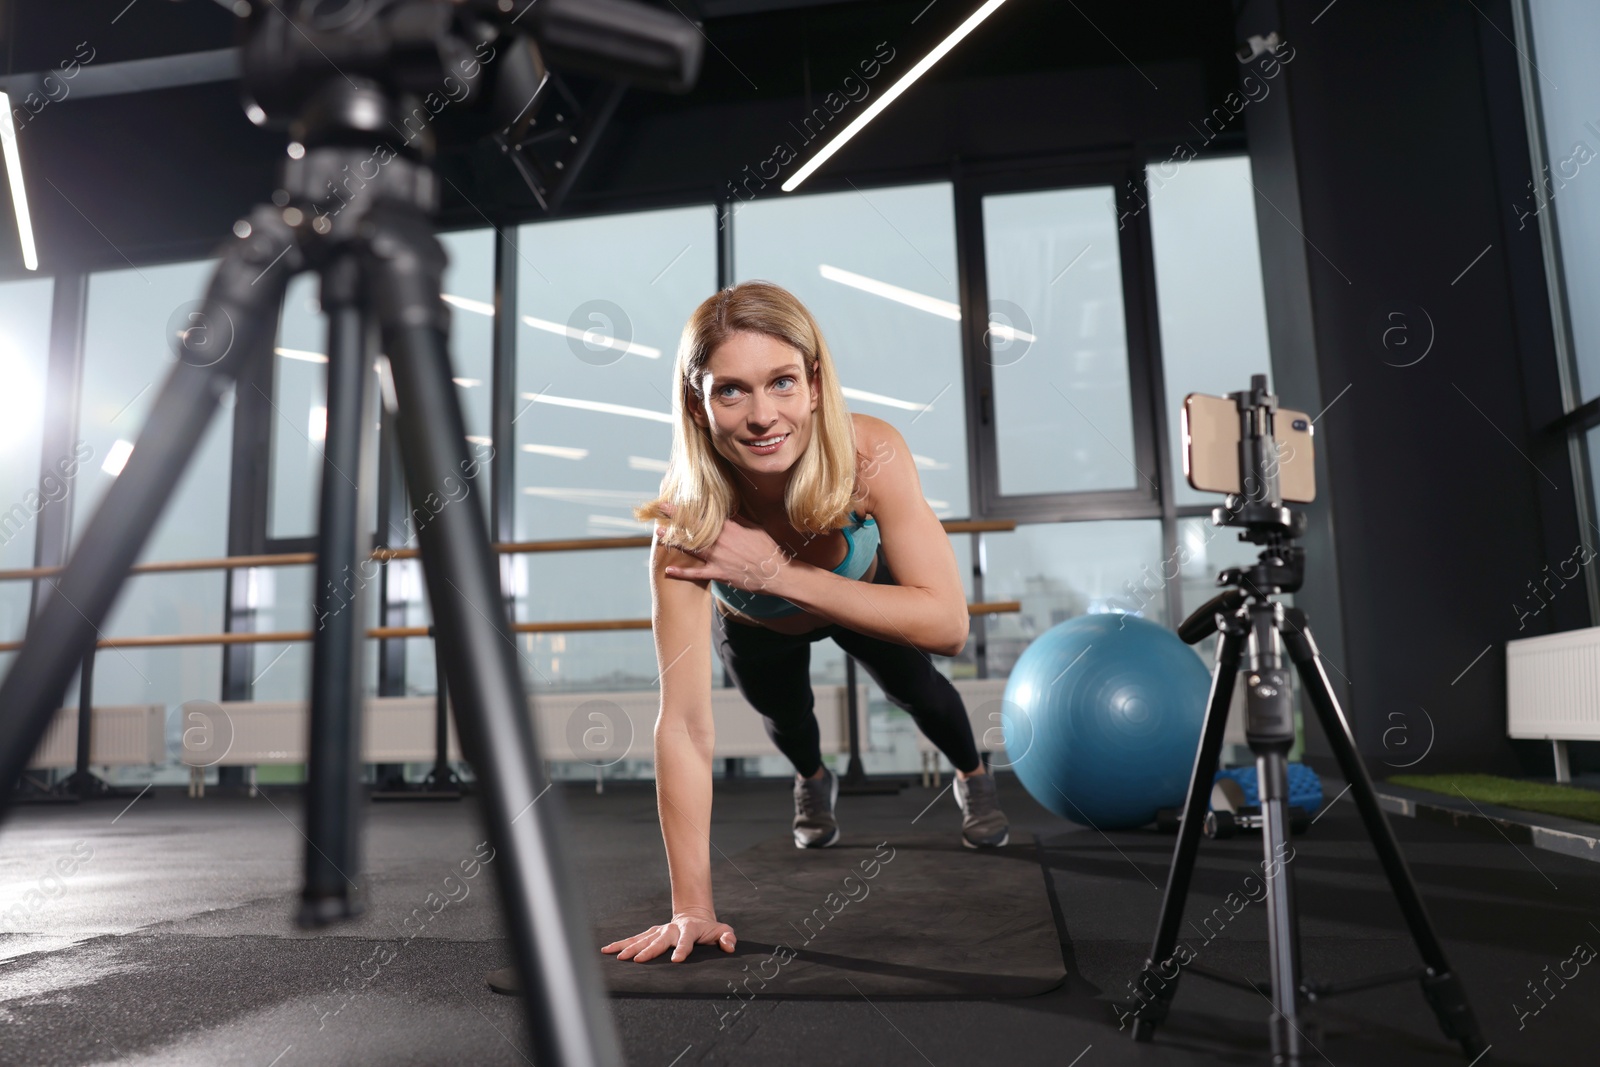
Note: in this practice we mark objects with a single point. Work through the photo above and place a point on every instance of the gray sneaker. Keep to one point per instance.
(814, 824)
(983, 824)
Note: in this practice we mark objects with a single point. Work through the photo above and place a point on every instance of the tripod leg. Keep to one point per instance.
(1158, 981)
(1269, 728)
(1440, 985)
(568, 1013)
(1272, 790)
(239, 318)
(344, 567)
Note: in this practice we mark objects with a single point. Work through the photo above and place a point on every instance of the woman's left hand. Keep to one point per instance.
(744, 556)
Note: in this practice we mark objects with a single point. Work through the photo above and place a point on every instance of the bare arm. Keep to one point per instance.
(684, 737)
(684, 734)
(927, 609)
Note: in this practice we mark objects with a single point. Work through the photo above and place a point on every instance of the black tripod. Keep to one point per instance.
(1252, 623)
(354, 204)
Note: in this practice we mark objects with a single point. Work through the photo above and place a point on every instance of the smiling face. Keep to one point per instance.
(756, 389)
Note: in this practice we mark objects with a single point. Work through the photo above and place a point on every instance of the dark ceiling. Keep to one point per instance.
(154, 175)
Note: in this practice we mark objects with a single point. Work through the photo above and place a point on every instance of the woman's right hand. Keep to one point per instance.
(685, 930)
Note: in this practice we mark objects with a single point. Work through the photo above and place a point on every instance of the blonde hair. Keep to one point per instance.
(699, 480)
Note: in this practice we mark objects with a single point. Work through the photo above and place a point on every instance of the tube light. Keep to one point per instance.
(592, 336)
(890, 94)
(19, 196)
(600, 405)
(945, 309)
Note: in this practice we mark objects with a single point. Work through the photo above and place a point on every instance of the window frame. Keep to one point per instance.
(1125, 175)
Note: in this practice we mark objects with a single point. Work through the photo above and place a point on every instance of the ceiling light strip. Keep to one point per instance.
(19, 196)
(890, 94)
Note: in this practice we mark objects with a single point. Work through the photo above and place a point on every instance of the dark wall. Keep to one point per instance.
(162, 175)
(1386, 165)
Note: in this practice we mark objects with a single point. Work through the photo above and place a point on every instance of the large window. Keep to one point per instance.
(1560, 84)
(300, 383)
(1567, 83)
(1057, 343)
(1210, 304)
(126, 359)
(24, 353)
(601, 304)
(281, 598)
(1062, 570)
(877, 269)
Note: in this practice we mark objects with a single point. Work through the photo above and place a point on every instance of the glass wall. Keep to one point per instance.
(1211, 311)
(300, 413)
(1567, 81)
(1057, 339)
(1209, 298)
(601, 303)
(24, 356)
(600, 307)
(126, 358)
(299, 428)
(1558, 71)
(469, 291)
(877, 269)
(280, 598)
(1061, 570)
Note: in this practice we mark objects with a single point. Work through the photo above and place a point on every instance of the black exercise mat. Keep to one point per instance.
(915, 915)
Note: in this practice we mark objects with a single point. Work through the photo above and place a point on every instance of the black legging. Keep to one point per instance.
(773, 671)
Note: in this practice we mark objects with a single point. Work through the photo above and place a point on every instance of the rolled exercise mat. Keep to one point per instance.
(910, 915)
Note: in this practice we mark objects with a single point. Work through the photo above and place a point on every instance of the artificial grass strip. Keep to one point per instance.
(1564, 800)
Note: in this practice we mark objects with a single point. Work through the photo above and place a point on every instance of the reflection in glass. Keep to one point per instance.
(1209, 299)
(877, 269)
(1057, 341)
(24, 359)
(1564, 32)
(601, 303)
(1065, 569)
(300, 412)
(126, 358)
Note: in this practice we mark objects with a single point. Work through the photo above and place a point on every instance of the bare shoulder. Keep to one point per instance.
(876, 441)
(880, 451)
(869, 430)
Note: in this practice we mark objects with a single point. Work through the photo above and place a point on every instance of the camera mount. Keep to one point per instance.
(1261, 637)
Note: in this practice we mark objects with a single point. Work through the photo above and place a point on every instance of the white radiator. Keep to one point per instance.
(1553, 686)
(595, 727)
(242, 733)
(1553, 690)
(120, 735)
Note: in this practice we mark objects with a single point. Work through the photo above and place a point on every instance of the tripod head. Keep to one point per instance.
(370, 90)
(344, 71)
(1260, 513)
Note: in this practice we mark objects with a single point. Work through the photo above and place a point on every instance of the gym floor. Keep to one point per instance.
(170, 942)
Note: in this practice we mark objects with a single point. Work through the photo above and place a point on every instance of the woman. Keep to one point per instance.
(803, 521)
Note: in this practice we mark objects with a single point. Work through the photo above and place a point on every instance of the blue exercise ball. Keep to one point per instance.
(1102, 717)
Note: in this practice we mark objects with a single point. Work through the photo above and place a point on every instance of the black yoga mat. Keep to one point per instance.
(914, 915)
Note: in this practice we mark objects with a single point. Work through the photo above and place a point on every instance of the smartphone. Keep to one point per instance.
(1211, 448)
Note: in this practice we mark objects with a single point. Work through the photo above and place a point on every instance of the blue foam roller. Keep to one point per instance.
(1305, 788)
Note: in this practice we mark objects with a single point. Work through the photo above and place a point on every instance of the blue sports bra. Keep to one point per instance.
(863, 547)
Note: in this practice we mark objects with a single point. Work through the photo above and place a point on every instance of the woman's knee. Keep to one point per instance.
(922, 687)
